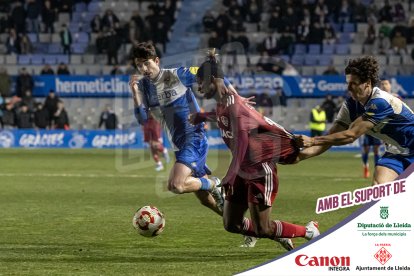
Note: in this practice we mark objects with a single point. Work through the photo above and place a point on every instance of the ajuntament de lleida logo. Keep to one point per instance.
(384, 212)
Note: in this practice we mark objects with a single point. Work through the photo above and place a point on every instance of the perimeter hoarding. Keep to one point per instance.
(297, 86)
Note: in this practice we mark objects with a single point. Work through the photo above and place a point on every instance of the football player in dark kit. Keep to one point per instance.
(257, 145)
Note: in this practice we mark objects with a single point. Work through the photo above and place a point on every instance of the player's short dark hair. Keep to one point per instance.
(143, 50)
(366, 68)
(211, 67)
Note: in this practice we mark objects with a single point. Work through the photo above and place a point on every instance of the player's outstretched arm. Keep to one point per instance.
(317, 150)
(358, 127)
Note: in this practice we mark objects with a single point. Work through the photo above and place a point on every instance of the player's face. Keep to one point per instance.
(150, 68)
(359, 90)
(206, 88)
(386, 86)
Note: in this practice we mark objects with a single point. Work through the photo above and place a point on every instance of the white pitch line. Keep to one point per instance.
(343, 179)
(74, 175)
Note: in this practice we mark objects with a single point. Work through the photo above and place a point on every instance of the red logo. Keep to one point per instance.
(303, 260)
(383, 255)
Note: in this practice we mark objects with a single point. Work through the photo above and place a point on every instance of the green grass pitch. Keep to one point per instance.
(69, 212)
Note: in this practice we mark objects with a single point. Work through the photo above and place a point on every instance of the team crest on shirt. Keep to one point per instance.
(167, 82)
(372, 106)
(224, 120)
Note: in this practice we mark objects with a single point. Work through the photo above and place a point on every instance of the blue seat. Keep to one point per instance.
(40, 48)
(74, 28)
(37, 59)
(62, 59)
(348, 27)
(23, 59)
(32, 37)
(79, 48)
(87, 28)
(54, 48)
(325, 60)
(82, 37)
(94, 7)
(342, 49)
(312, 59)
(50, 59)
(328, 49)
(345, 38)
(286, 58)
(314, 49)
(336, 27)
(300, 49)
(297, 60)
(77, 16)
(80, 7)
(88, 16)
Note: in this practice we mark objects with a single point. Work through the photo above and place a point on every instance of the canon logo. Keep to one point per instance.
(303, 260)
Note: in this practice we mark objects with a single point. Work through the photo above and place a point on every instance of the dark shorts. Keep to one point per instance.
(371, 141)
(260, 190)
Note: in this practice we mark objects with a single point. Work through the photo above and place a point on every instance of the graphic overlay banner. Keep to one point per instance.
(378, 239)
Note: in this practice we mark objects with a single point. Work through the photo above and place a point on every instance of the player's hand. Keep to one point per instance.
(133, 80)
(249, 100)
(228, 189)
(304, 141)
(298, 141)
(220, 86)
(191, 118)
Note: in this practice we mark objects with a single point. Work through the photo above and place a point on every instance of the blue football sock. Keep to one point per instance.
(205, 184)
(365, 158)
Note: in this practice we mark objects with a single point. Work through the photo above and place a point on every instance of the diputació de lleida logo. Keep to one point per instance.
(384, 212)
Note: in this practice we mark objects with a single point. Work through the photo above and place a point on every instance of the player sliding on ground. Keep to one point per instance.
(257, 144)
(166, 93)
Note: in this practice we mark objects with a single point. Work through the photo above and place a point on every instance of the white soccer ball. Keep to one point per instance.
(149, 221)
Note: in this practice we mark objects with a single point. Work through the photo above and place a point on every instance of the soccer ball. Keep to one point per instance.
(149, 221)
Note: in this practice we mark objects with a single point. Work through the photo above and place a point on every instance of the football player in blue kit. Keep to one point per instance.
(372, 111)
(167, 94)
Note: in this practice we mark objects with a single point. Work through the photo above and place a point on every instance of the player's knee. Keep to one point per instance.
(232, 227)
(175, 187)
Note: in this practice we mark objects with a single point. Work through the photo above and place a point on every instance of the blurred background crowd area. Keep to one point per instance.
(283, 37)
